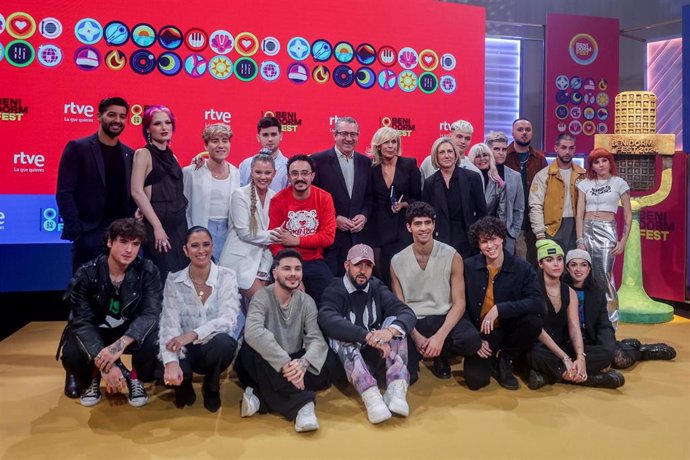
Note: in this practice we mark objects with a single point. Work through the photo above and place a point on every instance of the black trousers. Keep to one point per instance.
(144, 355)
(317, 277)
(209, 359)
(513, 338)
(88, 245)
(463, 340)
(275, 393)
(543, 360)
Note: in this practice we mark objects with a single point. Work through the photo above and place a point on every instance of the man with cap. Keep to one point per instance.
(367, 328)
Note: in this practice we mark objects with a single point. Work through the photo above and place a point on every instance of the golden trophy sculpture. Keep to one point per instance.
(636, 146)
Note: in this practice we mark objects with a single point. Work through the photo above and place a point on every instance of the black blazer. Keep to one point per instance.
(329, 177)
(598, 329)
(81, 185)
(472, 201)
(389, 227)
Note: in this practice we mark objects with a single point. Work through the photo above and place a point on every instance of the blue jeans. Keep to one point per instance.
(219, 233)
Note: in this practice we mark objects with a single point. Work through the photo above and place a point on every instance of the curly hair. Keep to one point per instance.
(128, 229)
(419, 209)
(486, 228)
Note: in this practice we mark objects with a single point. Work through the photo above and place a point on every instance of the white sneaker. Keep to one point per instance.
(250, 403)
(377, 411)
(396, 398)
(306, 419)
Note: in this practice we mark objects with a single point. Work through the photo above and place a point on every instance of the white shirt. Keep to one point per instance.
(347, 166)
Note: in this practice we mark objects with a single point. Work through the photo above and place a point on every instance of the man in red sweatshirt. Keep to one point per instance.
(303, 217)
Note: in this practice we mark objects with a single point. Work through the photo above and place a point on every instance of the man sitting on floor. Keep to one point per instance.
(114, 299)
(367, 325)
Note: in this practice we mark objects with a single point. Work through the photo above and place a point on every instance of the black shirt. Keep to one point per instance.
(116, 196)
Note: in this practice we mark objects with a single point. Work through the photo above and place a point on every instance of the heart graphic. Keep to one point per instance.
(20, 25)
(246, 44)
(428, 59)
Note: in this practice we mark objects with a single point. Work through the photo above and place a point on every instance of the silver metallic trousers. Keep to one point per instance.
(600, 237)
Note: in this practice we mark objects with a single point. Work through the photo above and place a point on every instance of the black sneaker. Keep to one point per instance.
(503, 373)
(536, 380)
(137, 393)
(654, 351)
(611, 379)
(92, 395)
(441, 368)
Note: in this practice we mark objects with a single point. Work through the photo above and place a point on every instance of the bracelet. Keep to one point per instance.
(566, 358)
(582, 354)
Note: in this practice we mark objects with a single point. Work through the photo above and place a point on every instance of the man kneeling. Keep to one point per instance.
(280, 363)
(367, 325)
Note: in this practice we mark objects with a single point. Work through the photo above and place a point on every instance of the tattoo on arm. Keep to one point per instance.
(626, 229)
(116, 347)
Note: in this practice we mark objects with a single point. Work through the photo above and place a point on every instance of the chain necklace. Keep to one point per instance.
(200, 285)
(282, 309)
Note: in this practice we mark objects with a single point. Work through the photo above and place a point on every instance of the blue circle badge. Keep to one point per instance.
(321, 50)
(116, 33)
(143, 35)
(365, 77)
(343, 76)
(169, 64)
(298, 48)
(88, 31)
(142, 61)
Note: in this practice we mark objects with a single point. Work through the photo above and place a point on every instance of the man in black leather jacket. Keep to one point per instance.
(115, 302)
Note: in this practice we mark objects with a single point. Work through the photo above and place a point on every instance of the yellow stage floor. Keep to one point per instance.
(647, 418)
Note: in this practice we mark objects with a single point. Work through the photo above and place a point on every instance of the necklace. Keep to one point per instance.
(221, 175)
(282, 309)
(200, 285)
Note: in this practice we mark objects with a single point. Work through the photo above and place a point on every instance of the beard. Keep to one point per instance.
(357, 284)
(284, 284)
(523, 143)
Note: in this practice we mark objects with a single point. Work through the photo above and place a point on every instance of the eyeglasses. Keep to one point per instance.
(304, 173)
(347, 134)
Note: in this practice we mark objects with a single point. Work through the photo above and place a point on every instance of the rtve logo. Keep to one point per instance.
(79, 109)
(26, 159)
(217, 116)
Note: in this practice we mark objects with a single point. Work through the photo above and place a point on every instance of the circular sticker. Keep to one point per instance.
(448, 84)
(195, 65)
(575, 127)
(562, 82)
(583, 49)
(561, 127)
(142, 62)
(170, 37)
(602, 128)
(270, 46)
(448, 62)
(589, 98)
(387, 79)
(562, 97)
(221, 42)
(575, 112)
(408, 58)
(2, 52)
(365, 54)
(387, 56)
(603, 99)
(297, 73)
(298, 48)
(428, 60)
(246, 44)
(321, 50)
(576, 82)
(365, 77)
(20, 25)
(561, 112)
(2, 24)
(344, 52)
(196, 39)
(143, 35)
(588, 84)
(87, 58)
(246, 69)
(576, 97)
(50, 28)
(116, 33)
(115, 60)
(220, 67)
(269, 70)
(49, 55)
(428, 83)
(407, 81)
(321, 74)
(588, 113)
(88, 31)
(602, 114)
(589, 128)
(169, 64)
(603, 84)
(343, 76)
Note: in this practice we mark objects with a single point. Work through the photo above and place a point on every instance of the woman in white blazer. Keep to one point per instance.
(246, 248)
(209, 187)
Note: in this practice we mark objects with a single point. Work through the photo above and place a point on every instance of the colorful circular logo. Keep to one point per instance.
(19, 53)
(143, 35)
(270, 46)
(602, 128)
(428, 83)
(321, 50)
(408, 58)
(603, 99)
(602, 84)
(246, 69)
(365, 54)
(407, 81)
(365, 78)
(448, 84)
(297, 73)
(387, 56)
(576, 82)
(448, 62)
(50, 28)
(428, 60)
(142, 62)
(575, 127)
(49, 55)
(87, 58)
(343, 76)
(221, 42)
(269, 70)
(561, 112)
(2, 24)
(562, 97)
(246, 44)
(20, 25)
(387, 79)
(169, 64)
(576, 97)
(170, 37)
(298, 48)
(562, 82)
(583, 49)
(321, 74)
(602, 114)
(2, 52)
(575, 112)
(589, 128)
(196, 39)
(88, 31)
(116, 33)
(220, 67)
(115, 60)
(589, 113)
(344, 52)
(195, 65)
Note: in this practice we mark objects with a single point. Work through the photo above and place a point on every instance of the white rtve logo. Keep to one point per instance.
(36, 159)
(217, 115)
(79, 109)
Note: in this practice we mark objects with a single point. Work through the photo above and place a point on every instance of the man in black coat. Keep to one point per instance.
(345, 174)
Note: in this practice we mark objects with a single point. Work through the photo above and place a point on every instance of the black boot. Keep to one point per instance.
(72, 389)
(611, 379)
(503, 373)
(632, 343)
(655, 351)
(536, 380)
(184, 395)
(211, 398)
(441, 368)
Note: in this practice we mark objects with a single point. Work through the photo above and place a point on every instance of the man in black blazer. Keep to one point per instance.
(345, 174)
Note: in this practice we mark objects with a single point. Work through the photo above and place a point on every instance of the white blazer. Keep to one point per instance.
(243, 252)
(197, 189)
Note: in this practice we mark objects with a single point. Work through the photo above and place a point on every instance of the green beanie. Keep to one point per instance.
(546, 248)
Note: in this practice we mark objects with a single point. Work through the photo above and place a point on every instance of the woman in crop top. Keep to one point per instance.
(597, 204)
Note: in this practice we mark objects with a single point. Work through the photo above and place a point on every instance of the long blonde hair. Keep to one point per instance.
(381, 136)
(253, 222)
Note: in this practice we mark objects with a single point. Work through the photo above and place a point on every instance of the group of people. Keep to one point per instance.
(272, 265)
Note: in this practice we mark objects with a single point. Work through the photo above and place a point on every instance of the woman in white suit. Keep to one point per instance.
(246, 248)
(494, 187)
(209, 187)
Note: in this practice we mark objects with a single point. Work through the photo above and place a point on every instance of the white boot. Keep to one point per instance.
(306, 419)
(396, 397)
(377, 411)
(250, 403)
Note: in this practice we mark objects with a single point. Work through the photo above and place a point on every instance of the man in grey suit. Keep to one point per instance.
(515, 195)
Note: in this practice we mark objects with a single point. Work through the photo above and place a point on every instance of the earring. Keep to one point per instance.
(148, 136)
